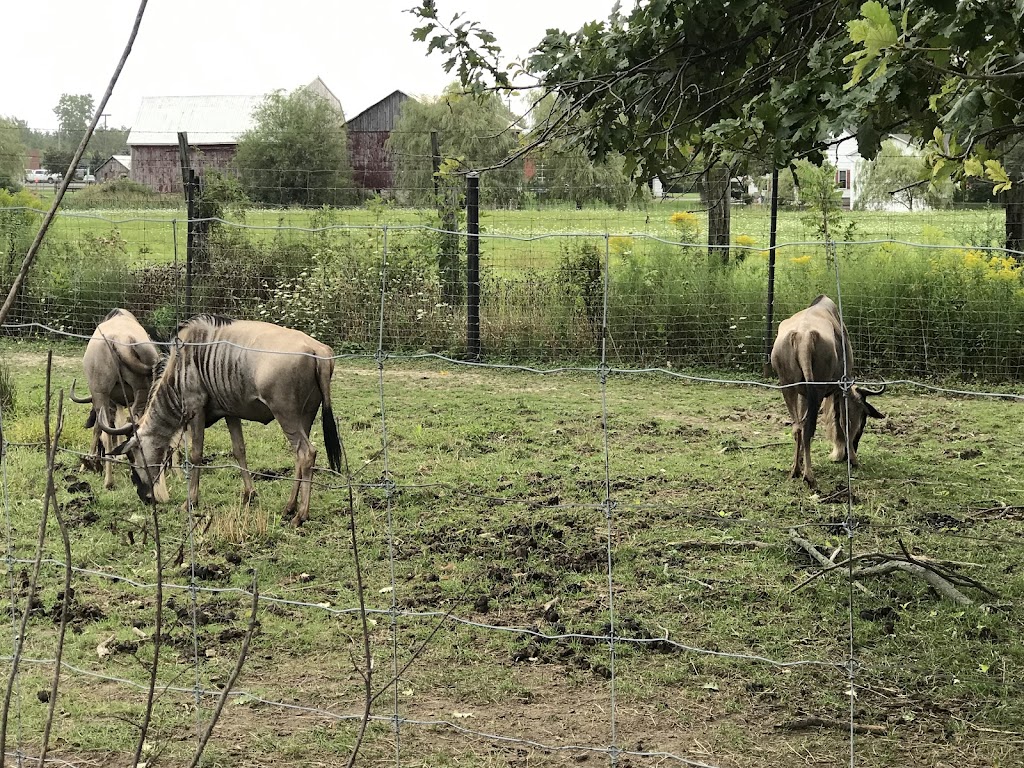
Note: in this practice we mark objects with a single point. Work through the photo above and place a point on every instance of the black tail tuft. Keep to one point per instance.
(91, 421)
(332, 441)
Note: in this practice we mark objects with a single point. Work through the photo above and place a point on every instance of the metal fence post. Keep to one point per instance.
(473, 265)
(772, 237)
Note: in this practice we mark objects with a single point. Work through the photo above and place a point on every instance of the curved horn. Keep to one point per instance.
(866, 391)
(74, 399)
(127, 429)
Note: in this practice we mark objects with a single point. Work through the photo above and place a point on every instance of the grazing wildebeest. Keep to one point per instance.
(220, 368)
(118, 364)
(811, 355)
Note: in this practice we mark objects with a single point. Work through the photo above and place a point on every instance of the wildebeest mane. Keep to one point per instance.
(217, 321)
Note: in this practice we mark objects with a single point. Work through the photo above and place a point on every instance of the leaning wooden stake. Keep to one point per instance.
(19, 639)
(205, 738)
(33, 249)
(65, 606)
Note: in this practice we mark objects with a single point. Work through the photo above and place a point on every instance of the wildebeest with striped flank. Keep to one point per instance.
(119, 364)
(811, 355)
(220, 368)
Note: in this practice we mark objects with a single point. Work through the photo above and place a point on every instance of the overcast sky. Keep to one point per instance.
(361, 48)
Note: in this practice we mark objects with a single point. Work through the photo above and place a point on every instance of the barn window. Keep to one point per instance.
(843, 179)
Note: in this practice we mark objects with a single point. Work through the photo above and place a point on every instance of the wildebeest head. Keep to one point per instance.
(149, 455)
(854, 413)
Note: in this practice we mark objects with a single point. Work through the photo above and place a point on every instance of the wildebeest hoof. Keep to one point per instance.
(248, 498)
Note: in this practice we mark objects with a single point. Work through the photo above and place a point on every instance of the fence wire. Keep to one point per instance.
(621, 308)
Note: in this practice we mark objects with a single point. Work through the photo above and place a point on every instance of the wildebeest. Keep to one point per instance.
(220, 368)
(811, 355)
(118, 364)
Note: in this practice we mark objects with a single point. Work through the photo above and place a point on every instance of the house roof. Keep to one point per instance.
(125, 160)
(207, 119)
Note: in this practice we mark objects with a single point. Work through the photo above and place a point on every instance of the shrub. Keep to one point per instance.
(8, 390)
(76, 284)
(20, 216)
(120, 194)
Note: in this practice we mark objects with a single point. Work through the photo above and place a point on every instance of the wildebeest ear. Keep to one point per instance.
(871, 410)
(124, 447)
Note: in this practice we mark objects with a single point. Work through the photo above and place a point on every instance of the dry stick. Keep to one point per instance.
(33, 249)
(65, 607)
(367, 674)
(422, 647)
(158, 620)
(937, 582)
(824, 561)
(19, 640)
(946, 573)
(824, 722)
(234, 675)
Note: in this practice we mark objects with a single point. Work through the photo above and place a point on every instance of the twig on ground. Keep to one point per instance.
(826, 722)
(825, 562)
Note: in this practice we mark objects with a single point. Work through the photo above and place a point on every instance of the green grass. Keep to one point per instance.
(151, 233)
(497, 511)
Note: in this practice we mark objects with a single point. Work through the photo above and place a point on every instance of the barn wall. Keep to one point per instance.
(372, 165)
(110, 171)
(381, 116)
(159, 167)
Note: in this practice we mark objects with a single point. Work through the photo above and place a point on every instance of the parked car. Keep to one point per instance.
(36, 175)
(54, 178)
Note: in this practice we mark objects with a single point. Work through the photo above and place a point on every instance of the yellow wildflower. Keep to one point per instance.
(805, 259)
(620, 245)
(684, 219)
(745, 240)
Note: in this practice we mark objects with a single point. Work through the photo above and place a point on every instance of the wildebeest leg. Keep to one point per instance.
(305, 459)
(812, 404)
(238, 449)
(198, 432)
(793, 404)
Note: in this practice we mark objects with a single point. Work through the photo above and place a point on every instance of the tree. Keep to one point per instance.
(951, 72)
(780, 79)
(12, 155)
(473, 132)
(896, 177)
(297, 152)
(680, 86)
(73, 111)
(566, 172)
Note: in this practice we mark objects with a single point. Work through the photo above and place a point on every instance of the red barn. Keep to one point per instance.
(213, 124)
(368, 132)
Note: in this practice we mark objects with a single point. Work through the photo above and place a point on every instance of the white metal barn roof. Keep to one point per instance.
(125, 160)
(207, 119)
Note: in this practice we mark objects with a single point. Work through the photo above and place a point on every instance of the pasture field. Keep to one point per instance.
(484, 526)
(150, 234)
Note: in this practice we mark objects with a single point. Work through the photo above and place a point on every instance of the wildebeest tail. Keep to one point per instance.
(332, 440)
(91, 421)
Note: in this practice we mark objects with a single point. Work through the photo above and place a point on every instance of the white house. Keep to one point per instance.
(846, 157)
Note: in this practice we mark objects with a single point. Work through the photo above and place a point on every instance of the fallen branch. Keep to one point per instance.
(942, 578)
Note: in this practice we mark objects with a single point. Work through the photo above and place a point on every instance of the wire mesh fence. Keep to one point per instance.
(940, 309)
(557, 562)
